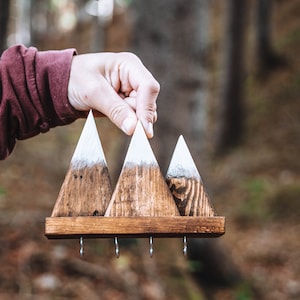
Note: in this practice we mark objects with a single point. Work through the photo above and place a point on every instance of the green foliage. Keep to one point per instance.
(264, 202)
(2, 191)
(253, 208)
(186, 288)
(256, 189)
(244, 292)
(195, 265)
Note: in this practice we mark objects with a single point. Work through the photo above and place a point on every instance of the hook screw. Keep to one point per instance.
(151, 246)
(185, 246)
(117, 247)
(81, 251)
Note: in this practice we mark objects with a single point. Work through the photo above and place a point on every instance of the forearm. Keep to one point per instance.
(34, 94)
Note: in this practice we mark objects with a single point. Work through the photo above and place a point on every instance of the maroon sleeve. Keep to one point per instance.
(34, 94)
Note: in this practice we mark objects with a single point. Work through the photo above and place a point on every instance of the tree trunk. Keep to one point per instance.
(231, 117)
(171, 38)
(263, 31)
(266, 57)
(4, 17)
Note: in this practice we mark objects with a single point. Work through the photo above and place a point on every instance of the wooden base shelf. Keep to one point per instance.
(102, 227)
(144, 203)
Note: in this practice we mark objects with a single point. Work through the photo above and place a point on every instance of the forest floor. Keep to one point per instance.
(256, 186)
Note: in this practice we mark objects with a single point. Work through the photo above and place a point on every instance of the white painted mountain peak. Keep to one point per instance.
(139, 150)
(182, 163)
(89, 149)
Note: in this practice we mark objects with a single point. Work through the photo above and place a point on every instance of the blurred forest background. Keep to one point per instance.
(230, 83)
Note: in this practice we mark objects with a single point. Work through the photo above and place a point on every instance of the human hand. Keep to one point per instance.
(116, 85)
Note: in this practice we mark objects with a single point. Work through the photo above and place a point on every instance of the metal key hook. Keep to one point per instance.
(151, 246)
(117, 247)
(184, 245)
(81, 251)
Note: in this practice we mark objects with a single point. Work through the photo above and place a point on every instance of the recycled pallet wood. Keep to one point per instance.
(100, 227)
(144, 203)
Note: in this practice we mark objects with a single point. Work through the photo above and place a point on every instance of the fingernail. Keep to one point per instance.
(128, 125)
(150, 130)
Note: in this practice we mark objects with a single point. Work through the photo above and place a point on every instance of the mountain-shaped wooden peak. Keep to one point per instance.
(86, 190)
(141, 190)
(185, 183)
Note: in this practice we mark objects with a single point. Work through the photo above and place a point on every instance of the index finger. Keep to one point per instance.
(147, 90)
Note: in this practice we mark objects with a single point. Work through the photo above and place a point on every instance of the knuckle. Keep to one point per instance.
(115, 112)
(156, 87)
(150, 115)
(129, 56)
(150, 108)
(153, 88)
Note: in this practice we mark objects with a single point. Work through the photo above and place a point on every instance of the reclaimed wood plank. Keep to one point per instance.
(185, 183)
(141, 189)
(86, 189)
(74, 227)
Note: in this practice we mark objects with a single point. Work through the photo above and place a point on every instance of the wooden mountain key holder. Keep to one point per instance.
(143, 204)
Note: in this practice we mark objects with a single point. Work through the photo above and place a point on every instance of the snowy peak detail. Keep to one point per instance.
(139, 150)
(89, 149)
(182, 163)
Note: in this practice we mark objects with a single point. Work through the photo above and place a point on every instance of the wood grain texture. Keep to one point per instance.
(190, 196)
(141, 191)
(85, 192)
(73, 227)
(143, 204)
(185, 183)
